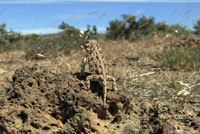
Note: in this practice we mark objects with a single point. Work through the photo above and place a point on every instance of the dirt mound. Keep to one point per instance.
(41, 102)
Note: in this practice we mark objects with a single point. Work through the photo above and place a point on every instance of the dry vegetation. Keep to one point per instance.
(130, 62)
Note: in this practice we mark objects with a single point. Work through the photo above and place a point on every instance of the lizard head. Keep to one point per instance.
(90, 46)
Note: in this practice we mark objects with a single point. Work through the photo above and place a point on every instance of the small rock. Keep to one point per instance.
(167, 128)
(2, 71)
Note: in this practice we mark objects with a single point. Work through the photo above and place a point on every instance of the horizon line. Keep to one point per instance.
(49, 30)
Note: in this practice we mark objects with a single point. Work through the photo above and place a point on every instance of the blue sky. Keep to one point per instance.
(44, 16)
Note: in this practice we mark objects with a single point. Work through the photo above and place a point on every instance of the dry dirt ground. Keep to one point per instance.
(46, 96)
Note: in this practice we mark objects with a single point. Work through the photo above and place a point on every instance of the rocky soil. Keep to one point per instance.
(49, 97)
(38, 101)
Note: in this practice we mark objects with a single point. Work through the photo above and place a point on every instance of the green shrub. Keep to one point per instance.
(135, 35)
(143, 27)
(52, 45)
(13, 36)
(4, 44)
(32, 37)
(176, 58)
(3, 34)
(146, 25)
(116, 30)
(7, 38)
(197, 27)
(162, 27)
(178, 29)
(129, 27)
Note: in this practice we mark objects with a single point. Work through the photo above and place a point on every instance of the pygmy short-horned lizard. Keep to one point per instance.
(97, 66)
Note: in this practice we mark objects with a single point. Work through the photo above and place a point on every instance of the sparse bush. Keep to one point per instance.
(122, 29)
(135, 35)
(64, 42)
(94, 29)
(197, 28)
(4, 44)
(13, 36)
(116, 30)
(187, 58)
(146, 25)
(129, 27)
(178, 29)
(47, 47)
(142, 27)
(63, 26)
(70, 38)
(3, 34)
(32, 37)
(162, 27)
(8, 38)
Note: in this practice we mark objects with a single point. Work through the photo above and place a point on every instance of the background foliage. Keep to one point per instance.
(129, 27)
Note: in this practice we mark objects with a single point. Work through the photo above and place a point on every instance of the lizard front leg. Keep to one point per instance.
(96, 78)
(83, 64)
(100, 79)
(114, 85)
